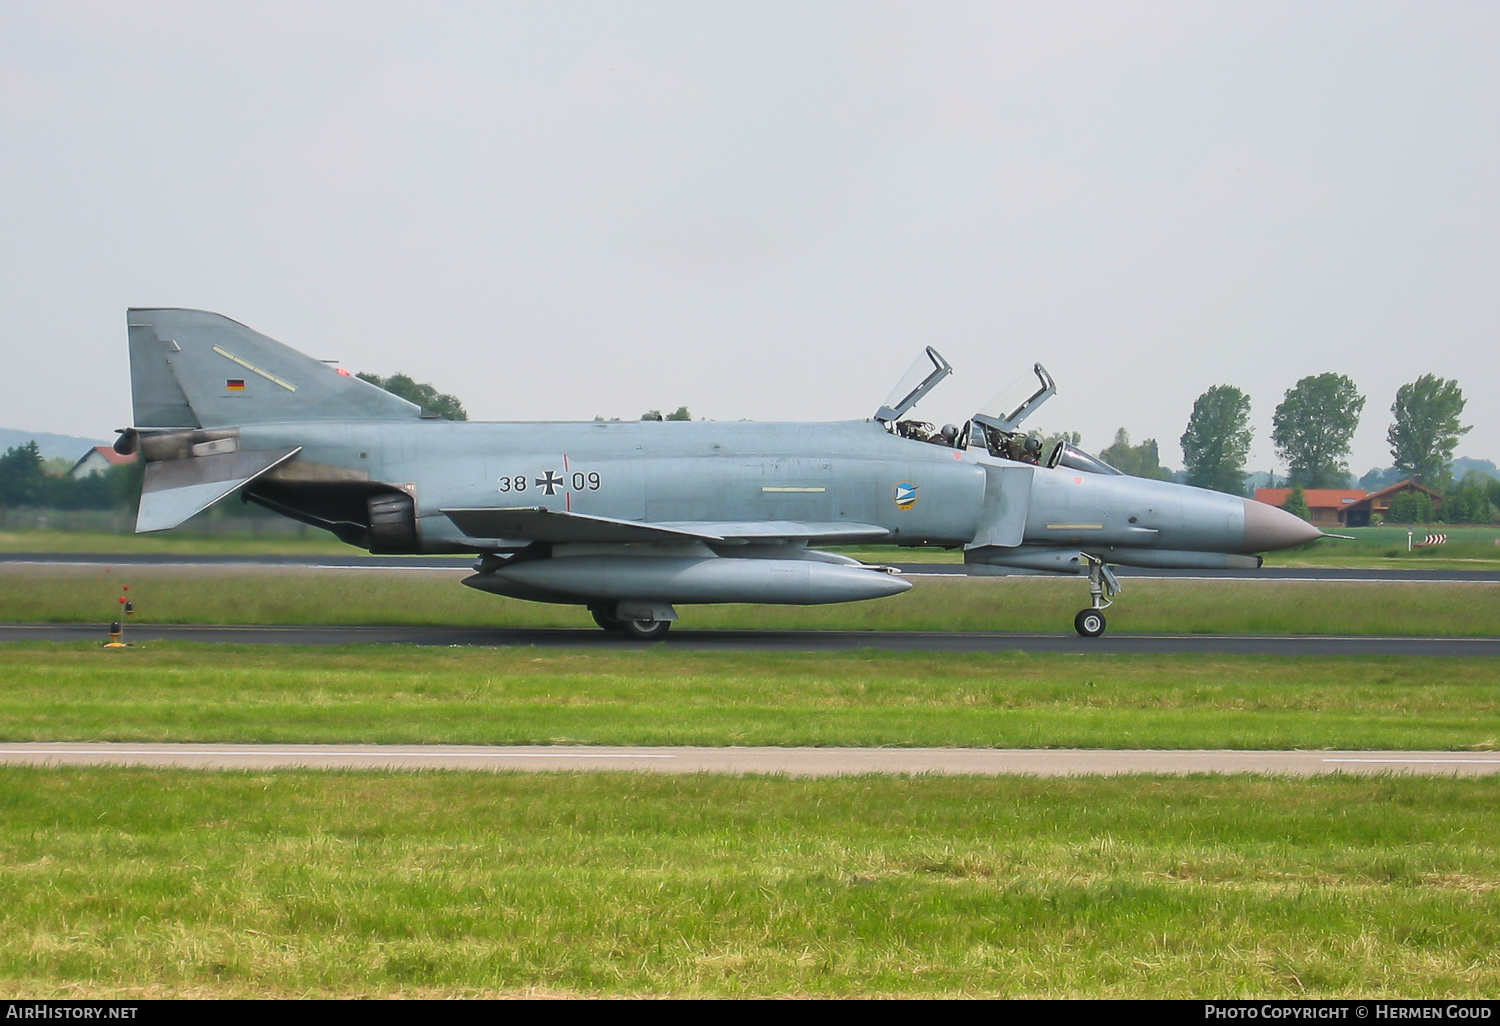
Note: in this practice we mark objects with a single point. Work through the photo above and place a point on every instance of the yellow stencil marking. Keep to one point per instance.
(251, 367)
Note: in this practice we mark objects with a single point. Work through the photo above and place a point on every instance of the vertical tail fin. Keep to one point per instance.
(194, 369)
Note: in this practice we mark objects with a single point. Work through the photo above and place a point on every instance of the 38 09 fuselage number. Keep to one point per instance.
(551, 481)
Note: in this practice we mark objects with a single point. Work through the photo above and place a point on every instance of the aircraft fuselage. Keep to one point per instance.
(654, 472)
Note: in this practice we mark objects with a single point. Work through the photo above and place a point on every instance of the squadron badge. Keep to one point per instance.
(905, 495)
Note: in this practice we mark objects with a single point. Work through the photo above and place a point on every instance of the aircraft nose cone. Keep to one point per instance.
(1267, 528)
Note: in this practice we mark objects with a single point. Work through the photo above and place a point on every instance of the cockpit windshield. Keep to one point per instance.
(921, 378)
(1017, 401)
(997, 425)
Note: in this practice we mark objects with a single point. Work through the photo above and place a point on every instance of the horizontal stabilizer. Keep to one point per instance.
(540, 524)
(176, 489)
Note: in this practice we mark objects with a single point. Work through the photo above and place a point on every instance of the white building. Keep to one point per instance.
(97, 460)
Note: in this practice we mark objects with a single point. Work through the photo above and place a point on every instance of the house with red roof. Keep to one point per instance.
(97, 460)
(1377, 505)
(1329, 507)
(1348, 507)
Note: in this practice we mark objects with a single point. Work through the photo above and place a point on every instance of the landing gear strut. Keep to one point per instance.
(1103, 587)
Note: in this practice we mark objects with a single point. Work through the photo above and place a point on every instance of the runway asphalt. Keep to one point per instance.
(798, 762)
(778, 641)
(358, 562)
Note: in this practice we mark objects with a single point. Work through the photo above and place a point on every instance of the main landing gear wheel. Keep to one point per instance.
(644, 630)
(605, 618)
(1089, 623)
(636, 630)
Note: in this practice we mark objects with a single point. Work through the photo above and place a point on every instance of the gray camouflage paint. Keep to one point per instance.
(660, 510)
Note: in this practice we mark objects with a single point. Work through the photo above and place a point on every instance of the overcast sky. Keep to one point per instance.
(764, 210)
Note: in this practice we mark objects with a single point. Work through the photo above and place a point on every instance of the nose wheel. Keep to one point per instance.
(1089, 623)
(1103, 587)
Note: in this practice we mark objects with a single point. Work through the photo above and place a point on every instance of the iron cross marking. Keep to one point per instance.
(552, 482)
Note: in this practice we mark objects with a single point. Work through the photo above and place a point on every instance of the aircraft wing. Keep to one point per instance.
(538, 523)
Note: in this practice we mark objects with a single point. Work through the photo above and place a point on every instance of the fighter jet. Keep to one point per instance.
(632, 519)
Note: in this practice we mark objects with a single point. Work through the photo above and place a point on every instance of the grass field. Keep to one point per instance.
(67, 594)
(1386, 547)
(140, 884)
(134, 883)
(405, 694)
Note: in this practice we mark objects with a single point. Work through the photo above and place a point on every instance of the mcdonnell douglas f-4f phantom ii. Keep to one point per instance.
(632, 519)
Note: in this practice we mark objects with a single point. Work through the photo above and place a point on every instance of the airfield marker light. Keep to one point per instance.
(116, 630)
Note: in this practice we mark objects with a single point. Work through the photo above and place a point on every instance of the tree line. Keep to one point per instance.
(1312, 429)
(24, 481)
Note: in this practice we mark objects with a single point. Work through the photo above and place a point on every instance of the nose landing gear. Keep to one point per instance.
(1103, 587)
